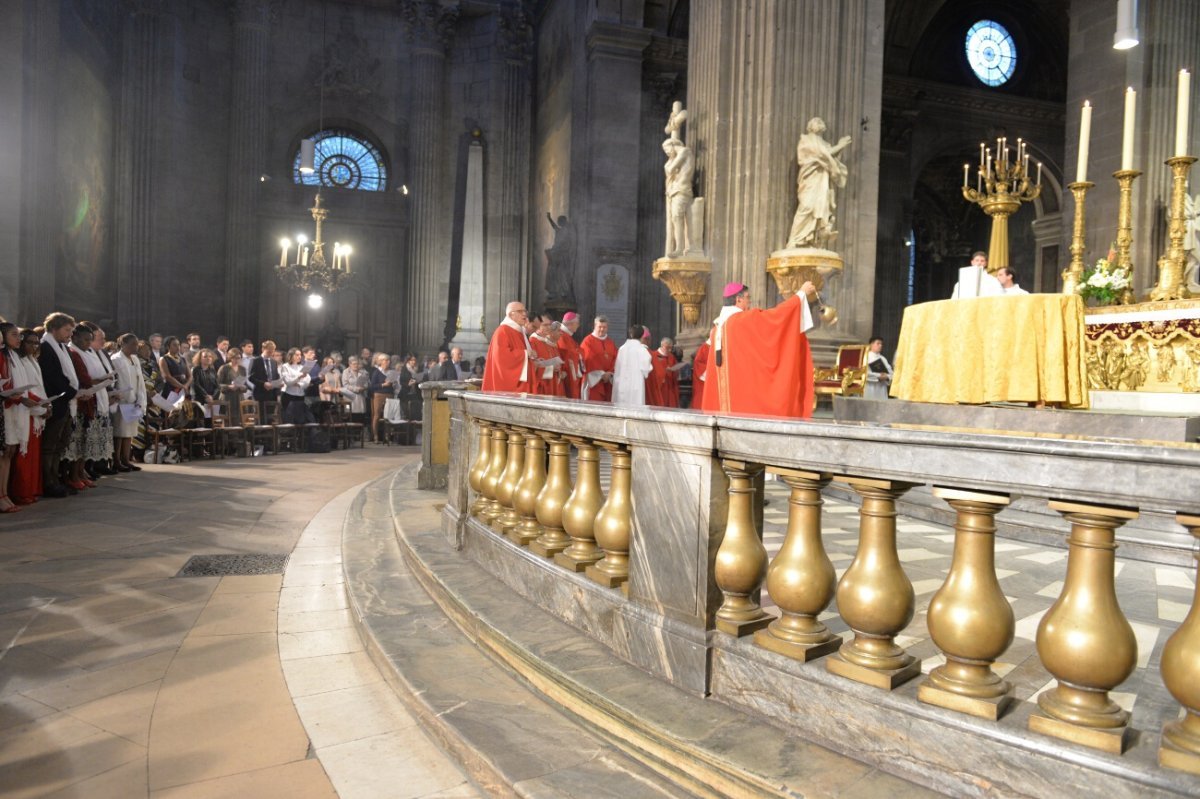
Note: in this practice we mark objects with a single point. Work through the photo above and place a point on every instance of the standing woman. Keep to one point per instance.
(232, 379)
(206, 388)
(27, 419)
(78, 451)
(355, 385)
(152, 420)
(174, 369)
(11, 378)
(295, 380)
(100, 370)
(131, 390)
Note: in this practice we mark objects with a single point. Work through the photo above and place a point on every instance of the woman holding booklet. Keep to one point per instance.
(232, 379)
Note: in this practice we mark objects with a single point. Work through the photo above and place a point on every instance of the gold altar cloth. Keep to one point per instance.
(1025, 348)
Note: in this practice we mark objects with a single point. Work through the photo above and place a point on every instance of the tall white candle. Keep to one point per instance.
(1085, 135)
(1039, 173)
(979, 181)
(1127, 138)
(966, 174)
(1181, 112)
(981, 159)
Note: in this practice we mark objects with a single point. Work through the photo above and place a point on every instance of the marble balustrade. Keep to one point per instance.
(681, 532)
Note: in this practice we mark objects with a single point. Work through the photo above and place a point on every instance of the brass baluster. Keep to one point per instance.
(479, 469)
(613, 523)
(1180, 746)
(507, 486)
(969, 618)
(579, 514)
(491, 481)
(526, 496)
(1084, 640)
(552, 498)
(741, 559)
(801, 579)
(875, 596)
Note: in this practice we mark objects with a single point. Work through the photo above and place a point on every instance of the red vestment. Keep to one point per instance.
(599, 355)
(763, 365)
(549, 386)
(568, 348)
(699, 366)
(662, 386)
(507, 361)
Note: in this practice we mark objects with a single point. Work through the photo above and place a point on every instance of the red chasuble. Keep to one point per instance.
(763, 366)
(662, 386)
(699, 366)
(568, 348)
(549, 386)
(599, 355)
(506, 358)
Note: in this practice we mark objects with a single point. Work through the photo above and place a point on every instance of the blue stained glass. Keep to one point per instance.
(343, 160)
(991, 52)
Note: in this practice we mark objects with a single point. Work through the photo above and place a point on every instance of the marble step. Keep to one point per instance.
(507, 739)
(666, 741)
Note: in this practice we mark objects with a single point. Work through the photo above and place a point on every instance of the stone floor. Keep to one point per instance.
(120, 679)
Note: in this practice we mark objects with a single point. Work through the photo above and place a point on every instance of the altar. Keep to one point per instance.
(1145, 357)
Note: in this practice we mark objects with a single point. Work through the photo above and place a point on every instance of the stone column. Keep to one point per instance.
(143, 42)
(757, 72)
(506, 206)
(430, 24)
(244, 263)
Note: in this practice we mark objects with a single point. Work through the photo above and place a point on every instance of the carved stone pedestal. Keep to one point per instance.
(791, 268)
(687, 278)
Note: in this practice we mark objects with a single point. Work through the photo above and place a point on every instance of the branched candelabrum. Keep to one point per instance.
(1001, 185)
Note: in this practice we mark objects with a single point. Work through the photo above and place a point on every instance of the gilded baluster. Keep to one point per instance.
(614, 523)
(579, 514)
(552, 498)
(875, 596)
(491, 481)
(1084, 640)
(507, 486)
(479, 470)
(526, 496)
(801, 579)
(741, 559)
(969, 618)
(1180, 747)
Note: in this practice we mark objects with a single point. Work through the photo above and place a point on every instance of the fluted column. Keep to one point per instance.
(969, 618)
(757, 72)
(430, 25)
(247, 151)
(139, 108)
(875, 596)
(1084, 639)
(741, 559)
(1180, 747)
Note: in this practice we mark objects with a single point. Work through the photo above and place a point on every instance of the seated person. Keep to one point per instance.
(987, 286)
(1008, 281)
(879, 371)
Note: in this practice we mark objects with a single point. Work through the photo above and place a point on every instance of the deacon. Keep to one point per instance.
(599, 357)
(632, 367)
(760, 362)
(569, 351)
(547, 375)
(662, 386)
(508, 366)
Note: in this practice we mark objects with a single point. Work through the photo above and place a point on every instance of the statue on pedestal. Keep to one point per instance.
(820, 173)
(560, 264)
(1191, 245)
(679, 170)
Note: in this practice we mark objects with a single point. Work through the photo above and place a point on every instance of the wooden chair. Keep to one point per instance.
(847, 378)
(255, 430)
(172, 437)
(225, 433)
(342, 426)
(285, 433)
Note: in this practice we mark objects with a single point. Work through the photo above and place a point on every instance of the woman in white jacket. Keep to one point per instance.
(129, 401)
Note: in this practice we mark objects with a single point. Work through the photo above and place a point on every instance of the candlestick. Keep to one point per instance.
(981, 154)
(1085, 135)
(1127, 137)
(999, 191)
(966, 173)
(1073, 274)
(286, 246)
(1039, 180)
(1181, 113)
(1170, 285)
(1125, 178)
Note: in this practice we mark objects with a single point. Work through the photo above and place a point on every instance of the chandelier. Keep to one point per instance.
(310, 270)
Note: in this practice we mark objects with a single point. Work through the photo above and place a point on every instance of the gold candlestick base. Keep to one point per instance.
(1073, 275)
(1170, 285)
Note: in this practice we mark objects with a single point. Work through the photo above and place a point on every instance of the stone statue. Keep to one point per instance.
(560, 262)
(1191, 244)
(679, 170)
(820, 173)
(675, 121)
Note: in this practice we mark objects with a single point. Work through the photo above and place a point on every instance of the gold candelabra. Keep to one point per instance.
(1001, 185)
(1073, 275)
(1125, 178)
(1170, 284)
(310, 270)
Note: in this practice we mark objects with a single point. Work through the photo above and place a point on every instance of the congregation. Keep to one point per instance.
(78, 406)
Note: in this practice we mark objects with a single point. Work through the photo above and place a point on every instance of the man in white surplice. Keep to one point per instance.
(633, 366)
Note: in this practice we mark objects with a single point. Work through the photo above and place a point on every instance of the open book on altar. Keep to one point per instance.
(974, 281)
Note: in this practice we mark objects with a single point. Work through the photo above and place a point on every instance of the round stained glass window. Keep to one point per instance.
(991, 52)
(343, 160)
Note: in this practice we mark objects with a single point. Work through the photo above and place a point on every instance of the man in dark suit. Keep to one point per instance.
(264, 374)
(59, 378)
(445, 368)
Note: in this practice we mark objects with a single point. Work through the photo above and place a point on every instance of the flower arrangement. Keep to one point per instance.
(1104, 283)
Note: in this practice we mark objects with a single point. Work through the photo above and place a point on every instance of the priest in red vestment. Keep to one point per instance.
(760, 361)
(509, 366)
(699, 366)
(572, 360)
(662, 386)
(547, 379)
(599, 359)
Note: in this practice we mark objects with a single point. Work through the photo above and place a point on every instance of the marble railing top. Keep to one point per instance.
(1109, 471)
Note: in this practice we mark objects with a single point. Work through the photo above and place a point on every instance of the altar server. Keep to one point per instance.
(632, 367)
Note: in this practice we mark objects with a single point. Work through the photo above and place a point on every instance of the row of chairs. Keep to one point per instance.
(261, 425)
